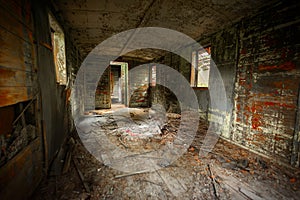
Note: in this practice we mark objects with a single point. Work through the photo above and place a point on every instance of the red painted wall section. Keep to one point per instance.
(267, 83)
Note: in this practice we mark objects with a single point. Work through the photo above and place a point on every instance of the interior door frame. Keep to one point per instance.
(124, 81)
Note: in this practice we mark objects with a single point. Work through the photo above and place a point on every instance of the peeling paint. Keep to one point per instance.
(287, 66)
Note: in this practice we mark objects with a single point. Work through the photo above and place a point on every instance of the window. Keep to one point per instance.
(58, 44)
(200, 67)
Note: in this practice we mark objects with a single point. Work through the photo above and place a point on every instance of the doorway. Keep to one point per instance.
(115, 84)
(119, 83)
(112, 88)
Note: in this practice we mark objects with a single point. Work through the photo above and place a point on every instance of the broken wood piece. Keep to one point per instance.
(68, 158)
(249, 194)
(213, 182)
(67, 162)
(86, 187)
(132, 173)
(242, 189)
(123, 143)
(144, 180)
(45, 144)
(236, 193)
(48, 46)
(22, 115)
(211, 152)
(22, 112)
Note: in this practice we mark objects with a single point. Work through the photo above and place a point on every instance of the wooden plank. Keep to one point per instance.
(13, 95)
(20, 10)
(15, 78)
(14, 26)
(15, 53)
(22, 173)
(23, 121)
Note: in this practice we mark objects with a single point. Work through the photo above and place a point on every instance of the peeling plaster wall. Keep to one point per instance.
(73, 63)
(267, 82)
(224, 55)
(163, 96)
(258, 59)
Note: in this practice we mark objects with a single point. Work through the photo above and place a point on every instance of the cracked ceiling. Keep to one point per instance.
(92, 21)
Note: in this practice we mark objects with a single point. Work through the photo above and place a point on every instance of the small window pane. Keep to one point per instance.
(58, 44)
(203, 68)
(200, 68)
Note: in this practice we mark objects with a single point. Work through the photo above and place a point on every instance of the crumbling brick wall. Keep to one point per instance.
(267, 82)
(258, 60)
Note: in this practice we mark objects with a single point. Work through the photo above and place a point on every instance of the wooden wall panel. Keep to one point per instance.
(13, 95)
(9, 22)
(17, 70)
(20, 10)
(15, 78)
(23, 173)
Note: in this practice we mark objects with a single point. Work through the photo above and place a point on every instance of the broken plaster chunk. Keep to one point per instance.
(164, 163)
(106, 160)
(229, 165)
(242, 163)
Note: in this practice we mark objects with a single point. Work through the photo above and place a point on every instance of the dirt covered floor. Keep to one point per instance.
(228, 172)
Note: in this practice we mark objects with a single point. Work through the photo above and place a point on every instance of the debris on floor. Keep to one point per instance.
(228, 172)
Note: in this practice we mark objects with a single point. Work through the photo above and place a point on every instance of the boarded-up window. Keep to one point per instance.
(58, 44)
(200, 67)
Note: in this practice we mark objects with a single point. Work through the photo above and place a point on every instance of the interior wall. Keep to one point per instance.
(53, 107)
(267, 82)
(56, 112)
(18, 70)
(35, 106)
(258, 59)
(21, 154)
(162, 95)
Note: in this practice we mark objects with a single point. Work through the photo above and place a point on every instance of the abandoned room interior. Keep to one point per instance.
(149, 99)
